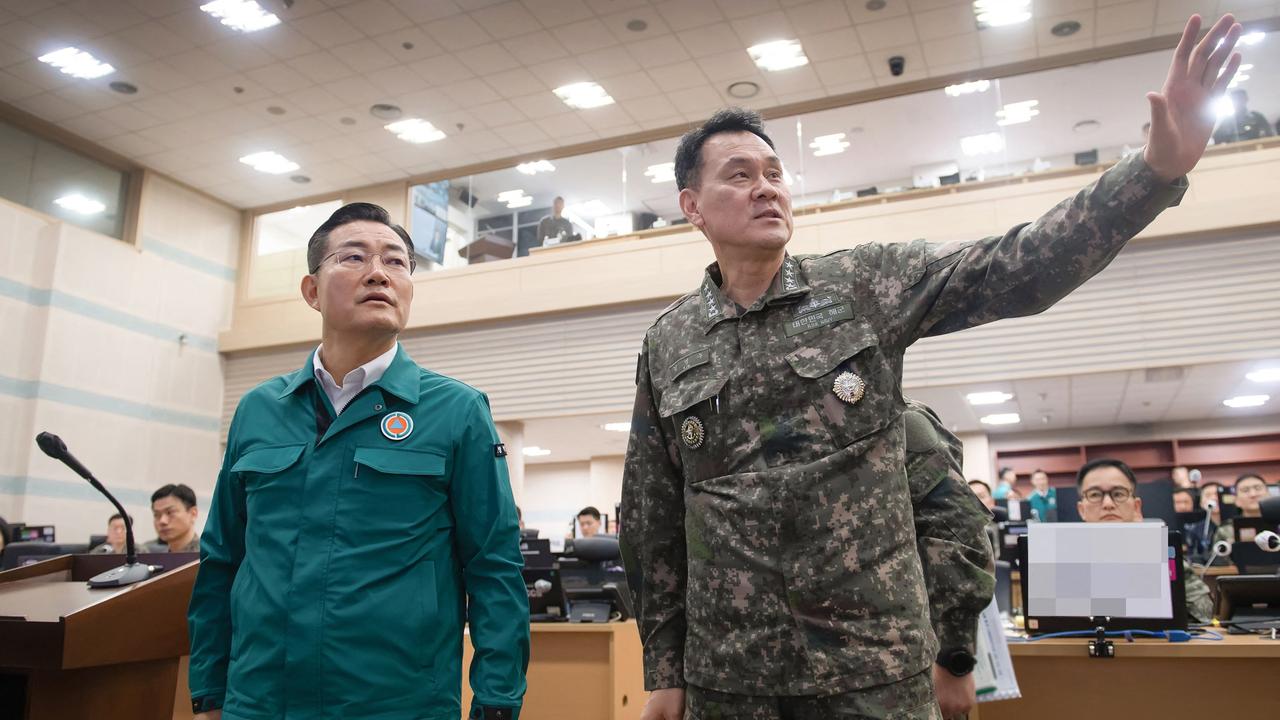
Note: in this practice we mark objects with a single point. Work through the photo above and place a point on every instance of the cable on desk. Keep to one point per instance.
(1129, 635)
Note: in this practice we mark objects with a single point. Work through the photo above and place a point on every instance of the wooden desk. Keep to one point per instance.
(1146, 679)
(581, 670)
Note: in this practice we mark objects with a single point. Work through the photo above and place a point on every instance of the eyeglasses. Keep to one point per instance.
(1119, 496)
(354, 259)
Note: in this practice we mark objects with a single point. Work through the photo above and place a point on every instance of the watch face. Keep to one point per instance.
(961, 663)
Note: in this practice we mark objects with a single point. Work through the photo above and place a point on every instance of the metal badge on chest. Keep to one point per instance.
(849, 387)
(397, 426)
(692, 432)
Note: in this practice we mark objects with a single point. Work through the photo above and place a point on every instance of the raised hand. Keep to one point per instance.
(1181, 116)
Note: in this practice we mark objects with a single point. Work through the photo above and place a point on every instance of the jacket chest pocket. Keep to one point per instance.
(400, 487)
(847, 378)
(690, 406)
(270, 475)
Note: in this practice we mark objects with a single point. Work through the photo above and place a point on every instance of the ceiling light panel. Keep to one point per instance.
(583, 95)
(1001, 419)
(661, 173)
(778, 55)
(79, 204)
(989, 398)
(969, 88)
(1017, 113)
(1265, 375)
(998, 13)
(1246, 401)
(77, 63)
(270, 162)
(515, 199)
(535, 167)
(620, 427)
(243, 15)
(829, 144)
(415, 130)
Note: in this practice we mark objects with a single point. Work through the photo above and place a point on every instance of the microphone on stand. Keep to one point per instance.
(132, 571)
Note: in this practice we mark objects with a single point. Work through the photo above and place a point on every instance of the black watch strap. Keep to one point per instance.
(488, 712)
(205, 704)
(957, 661)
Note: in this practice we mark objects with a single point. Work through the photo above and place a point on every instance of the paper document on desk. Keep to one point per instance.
(993, 676)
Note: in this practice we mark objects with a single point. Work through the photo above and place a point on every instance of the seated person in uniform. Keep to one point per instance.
(983, 491)
(589, 522)
(1183, 502)
(115, 536)
(174, 512)
(1250, 490)
(1005, 484)
(1109, 493)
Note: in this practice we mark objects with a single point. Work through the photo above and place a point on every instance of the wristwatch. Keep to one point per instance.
(204, 704)
(484, 712)
(957, 661)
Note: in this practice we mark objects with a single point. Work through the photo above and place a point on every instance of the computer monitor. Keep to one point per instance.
(537, 553)
(1157, 501)
(547, 600)
(1249, 602)
(1245, 553)
(32, 533)
(1068, 497)
(1004, 586)
(1041, 624)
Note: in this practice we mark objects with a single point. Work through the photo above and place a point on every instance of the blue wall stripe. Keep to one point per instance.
(74, 490)
(173, 253)
(102, 313)
(105, 403)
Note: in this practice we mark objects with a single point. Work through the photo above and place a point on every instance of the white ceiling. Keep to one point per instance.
(1070, 402)
(486, 65)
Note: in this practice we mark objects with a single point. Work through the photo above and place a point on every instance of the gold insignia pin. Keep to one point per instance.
(849, 387)
(692, 432)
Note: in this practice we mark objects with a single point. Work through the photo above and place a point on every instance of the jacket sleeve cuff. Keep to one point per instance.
(663, 668)
(959, 631)
(493, 712)
(1159, 194)
(207, 700)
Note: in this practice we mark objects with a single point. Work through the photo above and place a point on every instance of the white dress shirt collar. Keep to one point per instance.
(355, 381)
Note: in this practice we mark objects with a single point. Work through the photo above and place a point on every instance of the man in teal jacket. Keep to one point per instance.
(362, 514)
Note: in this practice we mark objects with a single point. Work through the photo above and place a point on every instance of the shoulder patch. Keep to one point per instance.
(679, 301)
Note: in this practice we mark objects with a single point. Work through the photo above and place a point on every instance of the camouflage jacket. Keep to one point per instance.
(767, 523)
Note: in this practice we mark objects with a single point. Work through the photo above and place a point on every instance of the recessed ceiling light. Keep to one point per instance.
(1066, 28)
(535, 167)
(535, 451)
(1265, 375)
(1001, 419)
(778, 55)
(276, 110)
(237, 90)
(874, 5)
(385, 111)
(300, 179)
(621, 427)
(77, 63)
(515, 199)
(743, 89)
(79, 204)
(415, 130)
(829, 144)
(583, 95)
(1017, 113)
(982, 144)
(124, 88)
(1246, 401)
(269, 162)
(243, 15)
(994, 397)
(974, 86)
(998, 13)
(407, 45)
(637, 25)
(347, 120)
(661, 173)
(1084, 127)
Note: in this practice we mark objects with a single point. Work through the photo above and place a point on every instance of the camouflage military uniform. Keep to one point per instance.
(768, 527)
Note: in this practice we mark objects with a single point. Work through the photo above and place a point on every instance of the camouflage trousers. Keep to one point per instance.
(908, 699)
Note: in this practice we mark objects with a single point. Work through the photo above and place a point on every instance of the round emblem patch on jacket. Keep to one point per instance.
(397, 426)
(692, 432)
(849, 387)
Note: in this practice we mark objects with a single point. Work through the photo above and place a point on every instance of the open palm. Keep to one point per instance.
(1181, 119)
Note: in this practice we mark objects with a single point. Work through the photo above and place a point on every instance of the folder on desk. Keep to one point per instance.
(993, 676)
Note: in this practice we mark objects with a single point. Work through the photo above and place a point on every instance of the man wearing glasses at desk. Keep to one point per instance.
(1109, 493)
(363, 505)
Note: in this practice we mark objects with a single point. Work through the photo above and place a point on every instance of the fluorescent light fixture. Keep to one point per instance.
(1246, 401)
(515, 199)
(1223, 107)
(535, 451)
(661, 173)
(77, 63)
(622, 427)
(79, 204)
(270, 162)
(1241, 75)
(998, 13)
(994, 397)
(415, 130)
(590, 208)
(829, 144)
(1252, 38)
(976, 86)
(583, 95)
(1001, 419)
(1265, 375)
(535, 167)
(778, 55)
(243, 15)
(982, 144)
(1017, 113)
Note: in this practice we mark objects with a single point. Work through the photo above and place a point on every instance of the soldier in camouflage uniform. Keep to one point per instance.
(768, 524)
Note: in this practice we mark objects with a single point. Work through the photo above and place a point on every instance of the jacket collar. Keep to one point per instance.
(789, 282)
(400, 379)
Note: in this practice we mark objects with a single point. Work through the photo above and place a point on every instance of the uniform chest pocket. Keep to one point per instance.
(406, 486)
(260, 466)
(847, 378)
(690, 408)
